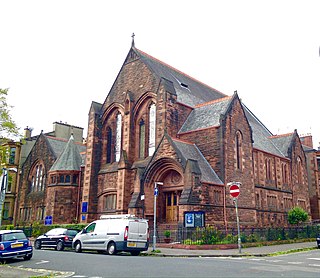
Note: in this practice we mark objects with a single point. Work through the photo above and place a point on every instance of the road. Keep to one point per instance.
(304, 264)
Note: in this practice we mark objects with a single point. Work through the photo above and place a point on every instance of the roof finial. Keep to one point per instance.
(132, 36)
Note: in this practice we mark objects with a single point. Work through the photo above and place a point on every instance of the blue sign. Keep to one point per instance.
(48, 220)
(84, 207)
(194, 219)
(83, 217)
(156, 192)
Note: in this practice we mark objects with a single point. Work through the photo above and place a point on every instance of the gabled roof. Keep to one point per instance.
(282, 142)
(189, 90)
(261, 135)
(206, 115)
(189, 151)
(70, 158)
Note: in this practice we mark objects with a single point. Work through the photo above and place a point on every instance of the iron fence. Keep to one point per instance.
(212, 235)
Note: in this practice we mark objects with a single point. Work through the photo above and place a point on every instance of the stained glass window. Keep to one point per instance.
(142, 138)
(118, 137)
(152, 128)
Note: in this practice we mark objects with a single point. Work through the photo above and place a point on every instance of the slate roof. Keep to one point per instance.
(205, 116)
(69, 154)
(190, 151)
(283, 142)
(189, 90)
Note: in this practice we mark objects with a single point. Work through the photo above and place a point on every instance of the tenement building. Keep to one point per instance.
(159, 127)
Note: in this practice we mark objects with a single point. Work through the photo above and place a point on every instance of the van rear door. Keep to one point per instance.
(138, 232)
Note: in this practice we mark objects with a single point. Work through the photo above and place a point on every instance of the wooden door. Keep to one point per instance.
(171, 206)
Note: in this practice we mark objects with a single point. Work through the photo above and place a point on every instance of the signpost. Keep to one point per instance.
(155, 193)
(235, 192)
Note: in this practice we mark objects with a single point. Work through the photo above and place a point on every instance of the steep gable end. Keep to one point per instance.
(70, 158)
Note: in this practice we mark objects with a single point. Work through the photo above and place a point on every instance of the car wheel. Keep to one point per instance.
(77, 247)
(37, 244)
(135, 253)
(60, 246)
(111, 250)
(27, 257)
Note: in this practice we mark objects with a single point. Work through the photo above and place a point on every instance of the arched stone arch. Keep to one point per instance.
(170, 173)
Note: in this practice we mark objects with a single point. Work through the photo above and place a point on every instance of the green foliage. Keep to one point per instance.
(297, 215)
(167, 233)
(8, 127)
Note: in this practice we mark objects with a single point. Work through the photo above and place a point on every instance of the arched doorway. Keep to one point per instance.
(169, 174)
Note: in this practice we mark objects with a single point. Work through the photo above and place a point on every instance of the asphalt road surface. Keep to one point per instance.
(304, 264)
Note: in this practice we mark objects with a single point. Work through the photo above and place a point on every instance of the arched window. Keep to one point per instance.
(268, 169)
(37, 177)
(284, 170)
(142, 138)
(118, 137)
(109, 144)
(239, 150)
(152, 128)
(299, 171)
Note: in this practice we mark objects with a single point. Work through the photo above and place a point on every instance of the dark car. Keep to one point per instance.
(318, 240)
(15, 244)
(57, 238)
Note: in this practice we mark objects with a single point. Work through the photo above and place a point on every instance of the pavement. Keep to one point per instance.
(169, 250)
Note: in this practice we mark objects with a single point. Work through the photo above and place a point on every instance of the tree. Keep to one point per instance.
(297, 215)
(8, 127)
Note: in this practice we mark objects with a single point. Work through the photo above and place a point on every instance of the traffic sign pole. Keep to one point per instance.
(155, 194)
(235, 192)
(235, 200)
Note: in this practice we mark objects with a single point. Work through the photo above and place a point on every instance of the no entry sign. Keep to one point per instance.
(234, 190)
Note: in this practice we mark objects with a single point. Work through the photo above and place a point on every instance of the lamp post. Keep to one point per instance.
(3, 188)
(155, 193)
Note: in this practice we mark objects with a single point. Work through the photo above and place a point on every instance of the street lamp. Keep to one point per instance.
(3, 188)
(155, 193)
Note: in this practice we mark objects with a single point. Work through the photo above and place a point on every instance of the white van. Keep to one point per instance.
(114, 233)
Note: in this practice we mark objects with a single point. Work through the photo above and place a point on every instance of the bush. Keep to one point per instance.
(297, 215)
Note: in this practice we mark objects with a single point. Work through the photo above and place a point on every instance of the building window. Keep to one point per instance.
(142, 139)
(40, 213)
(6, 209)
(37, 178)
(217, 197)
(12, 155)
(9, 183)
(118, 137)
(268, 170)
(68, 179)
(152, 128)
(284, 172)
(272, 202)
(109, 144)
(110, 202)
(238, 150)
(299, 171)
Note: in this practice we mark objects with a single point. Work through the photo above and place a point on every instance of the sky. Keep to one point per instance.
(56, 57)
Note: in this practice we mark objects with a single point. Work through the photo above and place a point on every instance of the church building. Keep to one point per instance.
(159, 127)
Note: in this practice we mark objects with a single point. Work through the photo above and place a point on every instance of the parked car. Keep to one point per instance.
(57, 238)
(15, 244)
(318, 241)
(114, 233)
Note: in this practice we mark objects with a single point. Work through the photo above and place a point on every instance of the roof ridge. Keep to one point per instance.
(63, 140)
(187, 75)
(182, 141)
(281, 135)
(213, 101)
